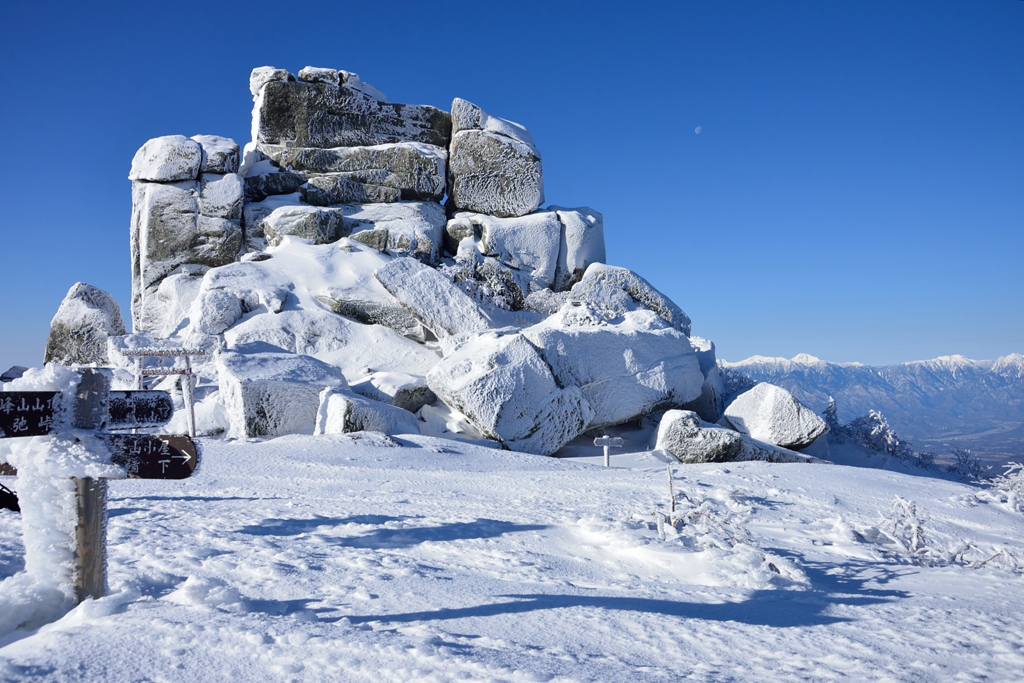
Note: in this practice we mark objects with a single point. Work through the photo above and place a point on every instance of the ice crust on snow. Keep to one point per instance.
(772, 414)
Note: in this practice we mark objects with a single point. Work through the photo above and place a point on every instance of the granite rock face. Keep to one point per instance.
(85, 320)
(316, 224)
(409, 170)
(710, 405)
(431, 298)
(324, 115)
(494, 166)
(220, 155)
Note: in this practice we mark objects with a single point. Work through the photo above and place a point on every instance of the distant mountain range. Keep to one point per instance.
(938, 404)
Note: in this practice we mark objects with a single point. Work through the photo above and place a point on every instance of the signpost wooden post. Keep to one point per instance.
(608, 442)
(144, 456)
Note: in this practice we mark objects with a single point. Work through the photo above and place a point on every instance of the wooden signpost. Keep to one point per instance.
(608, 442)
(144, 456)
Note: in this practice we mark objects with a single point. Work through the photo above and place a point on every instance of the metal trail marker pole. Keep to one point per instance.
(608, 442)
(94, 408)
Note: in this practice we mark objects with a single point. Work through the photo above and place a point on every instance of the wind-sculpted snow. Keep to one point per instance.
(363, 557)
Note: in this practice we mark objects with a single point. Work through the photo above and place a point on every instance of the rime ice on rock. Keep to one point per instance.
(771, 414)
(624, 370)
(618, 290)
(494, 165)
(429, 296)
(341, 412)
(711, 402)
(683, 434)
(269, 394)
(501, 383)
(84, 321)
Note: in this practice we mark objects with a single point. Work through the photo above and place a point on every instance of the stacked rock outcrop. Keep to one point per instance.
(362, 260)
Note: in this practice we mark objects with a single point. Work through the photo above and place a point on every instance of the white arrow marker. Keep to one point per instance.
(186, 457)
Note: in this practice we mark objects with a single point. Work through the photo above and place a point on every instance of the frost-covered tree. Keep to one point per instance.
(735, 382)
(873, 431)
(966, 464)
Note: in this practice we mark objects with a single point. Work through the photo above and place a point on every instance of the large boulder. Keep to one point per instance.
(409, 170)
(528, 245)
(582, 243)
(683, 434)
(220, 155)
(501, 383)
(413, 228)
(494, 165)
(167, 159)
(269, 394)
(430, 297)
(624, 370)
(319, 114)
(84, 321)
(711, 402)
(771, 414)
(399, 389)
(342, 412)
(618, 290)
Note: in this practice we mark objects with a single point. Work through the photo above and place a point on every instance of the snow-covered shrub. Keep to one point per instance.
(872, 431)
(966, 464)
(1007, 488)
(901, 536)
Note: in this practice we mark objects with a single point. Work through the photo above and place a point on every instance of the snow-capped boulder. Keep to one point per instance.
(582, 243)
(683, 434)
(220, 155)
(79, 330)
(427, 294)
(414, 228)
(771, 414)
(504, 387)
(618, 290)
(314, 74)
(167, 159)
(626, 369)
(400, 389)
(302, 114)
(269, 394)
(527, 244)
(319, 225)
(265, 74)
(341, 412)
(403, 170)
(711, 402)
(494, 166)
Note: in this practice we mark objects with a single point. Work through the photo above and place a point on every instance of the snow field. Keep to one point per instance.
(362, 557)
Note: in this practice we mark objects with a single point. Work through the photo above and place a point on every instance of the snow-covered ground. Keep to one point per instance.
(358, 557)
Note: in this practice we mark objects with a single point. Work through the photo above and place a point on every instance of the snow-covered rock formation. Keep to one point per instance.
(335, 292)
(85, 320)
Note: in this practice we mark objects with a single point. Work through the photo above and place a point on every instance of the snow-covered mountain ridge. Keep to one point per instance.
(939, 404)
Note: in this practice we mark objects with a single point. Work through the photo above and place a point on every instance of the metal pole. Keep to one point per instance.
(91, 539)
(607, 457)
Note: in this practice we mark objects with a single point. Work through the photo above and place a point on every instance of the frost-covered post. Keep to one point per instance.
(62, 463)
(608, 442)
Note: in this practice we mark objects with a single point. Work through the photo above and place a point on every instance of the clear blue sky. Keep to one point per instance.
(856, 191)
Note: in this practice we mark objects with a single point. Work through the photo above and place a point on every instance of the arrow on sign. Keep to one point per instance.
(147, 456)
